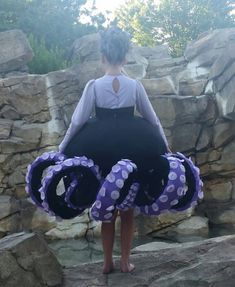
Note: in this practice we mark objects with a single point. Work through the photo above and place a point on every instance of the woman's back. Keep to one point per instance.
(115, 91)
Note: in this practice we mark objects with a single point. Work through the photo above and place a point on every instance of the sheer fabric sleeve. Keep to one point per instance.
(145, 108)
(81, 113)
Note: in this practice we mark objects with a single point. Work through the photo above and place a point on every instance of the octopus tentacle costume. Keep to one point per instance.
(117, 161)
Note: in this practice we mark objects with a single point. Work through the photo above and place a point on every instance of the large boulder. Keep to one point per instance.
(223, 76)
(205, 50)
(85, 49)
(27, 261)
(203, 263)
(15, 51)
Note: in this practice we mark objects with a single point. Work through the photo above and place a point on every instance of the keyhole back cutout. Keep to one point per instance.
(116, 85)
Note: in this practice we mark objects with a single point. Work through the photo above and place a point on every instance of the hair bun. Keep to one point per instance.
(115, 44)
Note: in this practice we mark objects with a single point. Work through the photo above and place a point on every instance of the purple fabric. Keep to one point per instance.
(66, 164)
(198, 182)
(104, 207)
(106, 202)
(174, 189)
(38, 165)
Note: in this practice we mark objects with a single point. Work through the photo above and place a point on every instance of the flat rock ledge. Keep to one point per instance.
(26, 261)
(204, 263)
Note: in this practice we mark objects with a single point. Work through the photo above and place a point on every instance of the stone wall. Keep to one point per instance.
(193, 96)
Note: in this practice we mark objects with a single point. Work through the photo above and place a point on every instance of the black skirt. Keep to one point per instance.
(115, 134)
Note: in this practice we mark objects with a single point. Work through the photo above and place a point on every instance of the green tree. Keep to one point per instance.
(137, 17)
(53, 24)
(174, 21)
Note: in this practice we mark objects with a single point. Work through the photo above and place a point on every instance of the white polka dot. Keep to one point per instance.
(84, 163)
(45, 156)
(170, 188)
(129, 167)
(180, 191)
(171, 158)
(134, 165)
(73, 184)
(108, 215)
(90, 163)
(200, 195)
(98, 204)
(182, 167)
(115, 194)
(111, 178)
(42, 196)
(174, 202)
(172, 175)
(185, 189)
(50, 174)
(102, 191)
(119, 183)
(58, 167)
(110, 208)
(61, 157)
(173, 164)
(27, 189)
(116, 168)
(182, 178)
(155, 207)
(68, 162)
(201, 183)
(134, 187)
(27, 178)
(121, 162)
(124, 174)
(163, 198)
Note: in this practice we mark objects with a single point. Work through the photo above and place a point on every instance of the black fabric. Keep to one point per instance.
(115, 134)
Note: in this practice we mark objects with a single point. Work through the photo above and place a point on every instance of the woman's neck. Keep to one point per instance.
(113, 70)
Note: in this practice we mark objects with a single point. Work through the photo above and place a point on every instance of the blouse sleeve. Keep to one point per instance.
(81, 114)
(145, 108)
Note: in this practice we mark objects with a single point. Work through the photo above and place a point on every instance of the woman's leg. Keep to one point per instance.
(108, 235)
(127, 231)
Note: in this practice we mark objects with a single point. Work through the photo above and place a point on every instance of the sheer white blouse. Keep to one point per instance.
(100, 93)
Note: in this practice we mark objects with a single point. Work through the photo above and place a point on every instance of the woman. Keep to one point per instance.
(115, 132)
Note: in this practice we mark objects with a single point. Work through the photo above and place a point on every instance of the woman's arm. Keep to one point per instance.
(81, 114)
(145, 108)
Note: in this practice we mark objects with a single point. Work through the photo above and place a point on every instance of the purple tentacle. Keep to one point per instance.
(35, 171)
(174, 189)
(59, 205)
(198, 194)
(105, 205)
(128, 202)
(80, 161)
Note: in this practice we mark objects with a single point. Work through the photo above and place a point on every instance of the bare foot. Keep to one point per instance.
(108, 268)
(127, 267)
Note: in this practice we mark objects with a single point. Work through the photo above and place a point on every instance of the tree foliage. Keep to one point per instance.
(173, 21)
(53, 26)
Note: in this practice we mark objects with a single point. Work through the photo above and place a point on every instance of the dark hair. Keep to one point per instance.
(114, 45)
